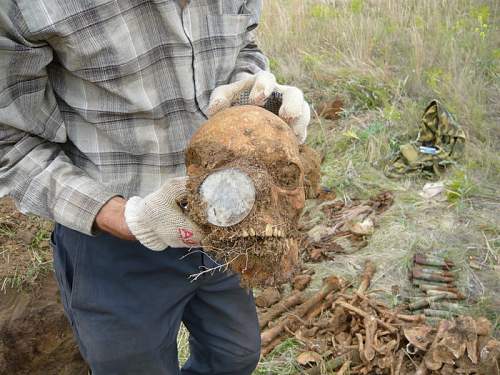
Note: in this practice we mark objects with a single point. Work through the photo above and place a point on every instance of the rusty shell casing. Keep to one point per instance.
(424, 302)
(443, 288)
(436, 278)
(446, 306)
(449, 295)
(433, 271)
(415, 297)
(439, 313)
(418, 282)
(432, 260)
(425, 277)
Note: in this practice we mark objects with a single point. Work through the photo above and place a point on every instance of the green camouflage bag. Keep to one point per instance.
(440, 142)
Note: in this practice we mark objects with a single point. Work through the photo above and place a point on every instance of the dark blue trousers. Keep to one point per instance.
(126, 303)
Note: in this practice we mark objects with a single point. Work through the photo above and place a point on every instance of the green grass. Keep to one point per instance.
(25, 264)
(40, 254)
(281, 360)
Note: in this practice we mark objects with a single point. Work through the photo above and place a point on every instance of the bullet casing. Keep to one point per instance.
(433, 271)
(449, 295)
(432, 260)
(418, 282)
(424, 302)
(424, 276)
(445, 306)
(443, 288)
(438, 313)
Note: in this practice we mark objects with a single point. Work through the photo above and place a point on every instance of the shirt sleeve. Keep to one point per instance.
(250, 60)
(34, 170)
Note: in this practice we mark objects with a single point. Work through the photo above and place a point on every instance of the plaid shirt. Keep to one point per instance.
(99, 98)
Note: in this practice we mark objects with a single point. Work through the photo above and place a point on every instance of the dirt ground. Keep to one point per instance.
(35, 336)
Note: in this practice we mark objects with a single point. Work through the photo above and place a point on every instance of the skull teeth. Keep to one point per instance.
(268, 232)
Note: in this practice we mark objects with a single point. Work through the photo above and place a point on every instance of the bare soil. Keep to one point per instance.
(35, 336)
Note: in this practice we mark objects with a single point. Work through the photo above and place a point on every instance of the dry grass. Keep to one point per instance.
(183, 344)
(25, 254)
(386, 59)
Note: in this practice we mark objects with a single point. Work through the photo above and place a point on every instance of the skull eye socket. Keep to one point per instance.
(287, 175)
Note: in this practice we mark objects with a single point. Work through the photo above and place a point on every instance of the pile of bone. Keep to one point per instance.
(354, 333)
(325, 221)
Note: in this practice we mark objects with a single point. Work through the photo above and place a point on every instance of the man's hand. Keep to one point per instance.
(294, 110)
(111, 219)
(158, 222)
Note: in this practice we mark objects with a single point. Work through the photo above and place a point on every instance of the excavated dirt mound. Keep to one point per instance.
(35, 337)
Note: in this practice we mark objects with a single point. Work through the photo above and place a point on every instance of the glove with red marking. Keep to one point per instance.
(158, 221)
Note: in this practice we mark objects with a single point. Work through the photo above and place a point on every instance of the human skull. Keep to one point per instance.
(253, 142)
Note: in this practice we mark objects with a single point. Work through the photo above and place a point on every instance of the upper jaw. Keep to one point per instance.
(268, 231)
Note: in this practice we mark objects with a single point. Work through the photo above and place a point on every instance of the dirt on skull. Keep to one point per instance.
(263, 247)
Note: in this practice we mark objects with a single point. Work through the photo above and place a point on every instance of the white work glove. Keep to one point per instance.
(158, 221)
(294, 109)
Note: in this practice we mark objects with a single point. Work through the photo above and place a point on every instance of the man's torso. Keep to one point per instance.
(133, 79)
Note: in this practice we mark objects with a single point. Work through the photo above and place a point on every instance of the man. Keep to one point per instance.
(98, 100)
